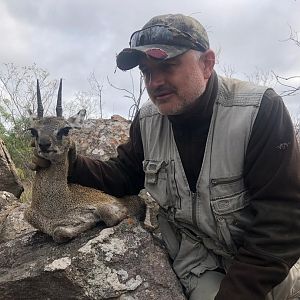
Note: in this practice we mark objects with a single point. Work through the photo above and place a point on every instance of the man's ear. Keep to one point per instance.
(209, 60)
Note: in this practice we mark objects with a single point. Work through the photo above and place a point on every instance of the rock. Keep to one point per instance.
(12, 223)
(6, 200)
(100, 138)
(122, 262)
(125, 262)
(10, 181)
(118, 118)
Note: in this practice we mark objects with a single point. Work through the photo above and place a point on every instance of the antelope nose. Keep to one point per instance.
(44, 145)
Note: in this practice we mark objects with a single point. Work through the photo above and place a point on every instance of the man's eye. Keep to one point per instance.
(169, 65)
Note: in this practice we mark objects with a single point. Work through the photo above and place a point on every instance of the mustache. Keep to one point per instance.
(163, 89)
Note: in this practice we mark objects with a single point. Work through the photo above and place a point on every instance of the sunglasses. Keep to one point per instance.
(166, 35)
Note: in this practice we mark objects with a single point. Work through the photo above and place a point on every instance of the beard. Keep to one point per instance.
(179, 102)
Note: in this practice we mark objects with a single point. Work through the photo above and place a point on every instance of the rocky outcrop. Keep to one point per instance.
(9, 180)
(124, 262)
(12, 223)
(99, 138)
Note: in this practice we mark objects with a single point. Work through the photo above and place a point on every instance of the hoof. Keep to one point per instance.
(62, 234)
(112, 214)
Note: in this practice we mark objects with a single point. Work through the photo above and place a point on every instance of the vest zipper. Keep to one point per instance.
(194, 215)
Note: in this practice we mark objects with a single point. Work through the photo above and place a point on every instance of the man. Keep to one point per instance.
(221, 159)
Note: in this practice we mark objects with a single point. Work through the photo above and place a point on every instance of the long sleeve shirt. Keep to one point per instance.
(271, 174)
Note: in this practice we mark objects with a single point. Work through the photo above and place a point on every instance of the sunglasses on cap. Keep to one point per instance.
(165, 35)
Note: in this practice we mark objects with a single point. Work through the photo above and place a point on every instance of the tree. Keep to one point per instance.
(227, 70)
(291, 83)
(18, 92)
(82, 100)
(290, 89)
(96, 91)
(131, 94)
(261, 77)
(91, 100)
(17, 97)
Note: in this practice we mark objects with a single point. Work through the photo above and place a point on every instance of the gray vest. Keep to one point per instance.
(203, 230)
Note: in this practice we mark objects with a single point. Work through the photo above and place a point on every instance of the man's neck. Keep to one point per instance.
(202, 109)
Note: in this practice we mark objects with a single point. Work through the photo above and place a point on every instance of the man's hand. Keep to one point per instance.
(72, 156)
(38, 162)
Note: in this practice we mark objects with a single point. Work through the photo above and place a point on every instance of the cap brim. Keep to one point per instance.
(129, 58)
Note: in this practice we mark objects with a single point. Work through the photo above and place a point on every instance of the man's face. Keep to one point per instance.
(175, 84)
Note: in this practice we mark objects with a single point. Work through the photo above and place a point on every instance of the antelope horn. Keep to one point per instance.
(40, 110)
(58, 105)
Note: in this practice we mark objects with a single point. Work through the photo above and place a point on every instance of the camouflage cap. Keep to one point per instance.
(164, 37)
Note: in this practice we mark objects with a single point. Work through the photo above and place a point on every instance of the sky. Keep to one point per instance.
(72, 39)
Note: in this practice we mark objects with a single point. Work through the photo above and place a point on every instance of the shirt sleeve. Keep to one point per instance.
(119, 176)
(272, 175)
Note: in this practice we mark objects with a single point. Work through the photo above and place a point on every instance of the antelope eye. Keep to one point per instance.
(33, 132)
(63, 132)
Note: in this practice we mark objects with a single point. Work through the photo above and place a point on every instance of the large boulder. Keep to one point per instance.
(99, 138)
(9, 180)
(123, 262)
(12, 222)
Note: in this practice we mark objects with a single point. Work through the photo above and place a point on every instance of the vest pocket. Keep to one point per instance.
(193, 257)
(187, 252)
(232, 213)
(156, 181)
(160, 182)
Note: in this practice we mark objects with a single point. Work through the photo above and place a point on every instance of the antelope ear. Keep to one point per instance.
(32, 117)
(77, 120)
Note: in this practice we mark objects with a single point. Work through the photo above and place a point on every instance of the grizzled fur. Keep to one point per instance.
(65, 210)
